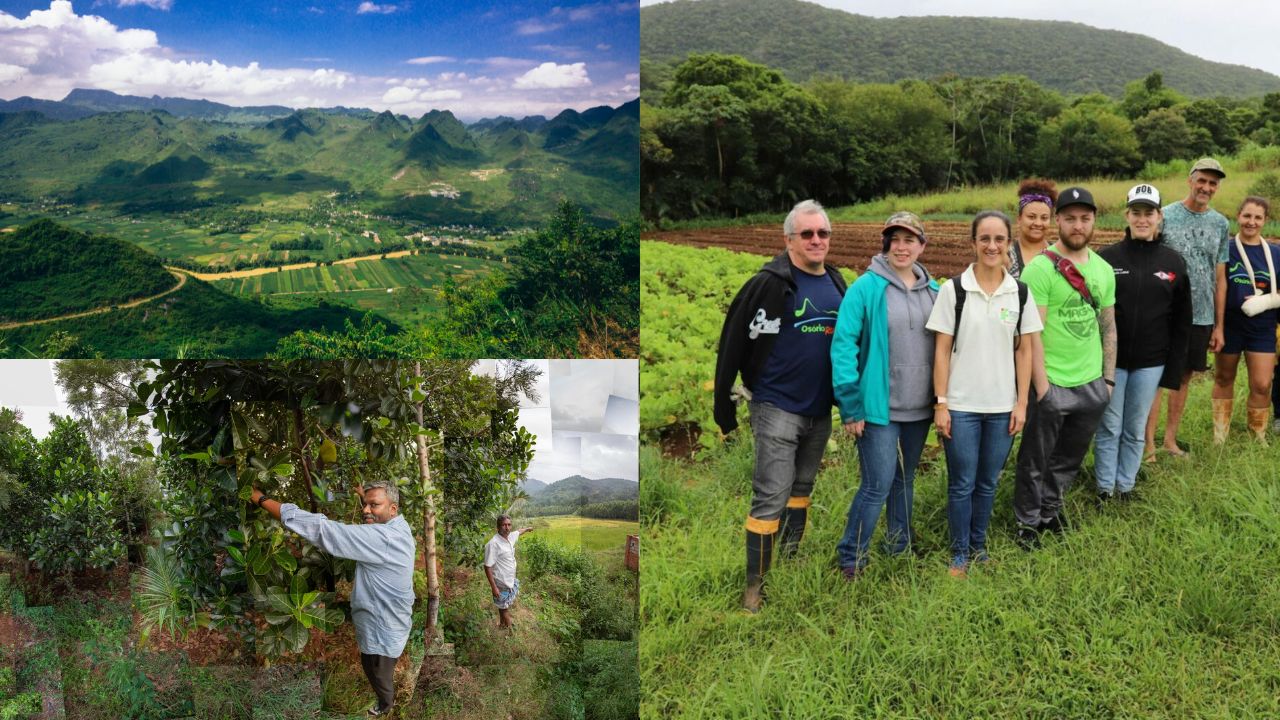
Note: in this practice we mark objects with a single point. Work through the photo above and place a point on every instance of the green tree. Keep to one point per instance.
(1142, 97)
(1164, 134)
(1085, 142)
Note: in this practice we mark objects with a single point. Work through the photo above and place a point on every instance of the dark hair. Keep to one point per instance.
(1256, 200)
(1034, 187)
(973, 229)
(501, 518)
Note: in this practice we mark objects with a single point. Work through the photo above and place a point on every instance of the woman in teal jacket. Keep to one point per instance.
(882, 372)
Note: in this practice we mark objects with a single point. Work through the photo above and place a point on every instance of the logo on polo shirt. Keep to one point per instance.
(1166, 276)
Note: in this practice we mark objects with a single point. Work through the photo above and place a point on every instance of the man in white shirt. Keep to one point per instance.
(500, 568)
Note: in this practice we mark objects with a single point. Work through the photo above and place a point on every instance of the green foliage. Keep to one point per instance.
(8, 683)
(616, 510)
(48, 270)
(612, 687)
(78, 533)
(1267, 185)
(21, 707)
(885, 50)
(1165, 135)
(603, 616)
(1086, 142)
(163, 596)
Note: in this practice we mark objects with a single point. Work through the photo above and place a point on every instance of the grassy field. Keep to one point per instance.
(1168, 607)
(588, 533)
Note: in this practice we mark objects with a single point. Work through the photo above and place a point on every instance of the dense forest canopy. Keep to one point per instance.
(866, 49)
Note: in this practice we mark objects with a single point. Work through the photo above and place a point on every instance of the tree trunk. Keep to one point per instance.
(302, 458)
(429, 531)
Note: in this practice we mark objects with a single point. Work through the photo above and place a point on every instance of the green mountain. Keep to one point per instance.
(107, 101)
(804, 40)
(578, 490)
(500, 172)
(47, 270)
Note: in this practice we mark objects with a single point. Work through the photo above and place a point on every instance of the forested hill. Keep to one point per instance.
(803, 40)
(47, 270)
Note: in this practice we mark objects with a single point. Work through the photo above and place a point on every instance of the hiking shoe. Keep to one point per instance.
(959, 566)
(1027, 537)
(1130, 496)
(850, 572)
(1104, 497)
(379, 712)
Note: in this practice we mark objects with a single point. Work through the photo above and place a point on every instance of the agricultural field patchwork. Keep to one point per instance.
(590, 534)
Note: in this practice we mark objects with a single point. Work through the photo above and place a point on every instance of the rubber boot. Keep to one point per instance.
(760, 536)
(792, 529)
(1221, 419)
(1258, 422)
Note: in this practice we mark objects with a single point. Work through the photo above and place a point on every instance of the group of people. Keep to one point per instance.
(1064, 343)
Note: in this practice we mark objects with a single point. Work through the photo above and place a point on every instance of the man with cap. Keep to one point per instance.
(1074, 289)
(882, 361)
(1201, 235)
(1153, 317)
(777, 336)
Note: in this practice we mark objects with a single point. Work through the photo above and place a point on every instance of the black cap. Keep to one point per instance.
(1076, 196)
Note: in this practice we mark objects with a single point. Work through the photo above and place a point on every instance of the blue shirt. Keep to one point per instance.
(1239, 287)
(797, 376)
(382, 594)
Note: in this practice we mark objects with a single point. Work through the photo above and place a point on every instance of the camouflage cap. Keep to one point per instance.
(1208, 164)
(907, 221)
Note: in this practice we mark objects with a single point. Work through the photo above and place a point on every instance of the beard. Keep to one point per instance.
(1071, 243)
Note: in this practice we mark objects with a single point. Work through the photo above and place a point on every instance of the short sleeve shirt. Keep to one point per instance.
(1202, 240)
(1241, 286)
(982, 377)
(500, 554)
(1072, 340)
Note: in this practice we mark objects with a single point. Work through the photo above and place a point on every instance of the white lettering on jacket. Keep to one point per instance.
(762, 324)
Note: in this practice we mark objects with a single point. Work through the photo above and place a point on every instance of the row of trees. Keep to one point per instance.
(724, 136)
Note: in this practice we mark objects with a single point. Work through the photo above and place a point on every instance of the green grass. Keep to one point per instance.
(1169, 607)
(589, 534)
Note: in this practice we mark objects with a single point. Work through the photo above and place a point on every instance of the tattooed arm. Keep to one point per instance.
(1107, 324)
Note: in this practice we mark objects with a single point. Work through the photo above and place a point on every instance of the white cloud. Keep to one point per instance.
(11, 73)
(551, 75)
(503, 62)
(430, 59)
(603, 46)
(435, 95)
(632, 77)
(368, 7)
(535, 27)
(397, 95)
(153, 4)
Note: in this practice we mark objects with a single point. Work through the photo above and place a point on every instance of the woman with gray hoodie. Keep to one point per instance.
(882, 372)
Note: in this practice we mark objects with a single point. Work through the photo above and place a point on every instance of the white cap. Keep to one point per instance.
(1144, 195)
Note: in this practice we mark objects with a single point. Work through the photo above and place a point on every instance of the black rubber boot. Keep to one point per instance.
(759, 557)
(792, 530)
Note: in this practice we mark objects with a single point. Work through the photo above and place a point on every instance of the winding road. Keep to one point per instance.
(182, 280)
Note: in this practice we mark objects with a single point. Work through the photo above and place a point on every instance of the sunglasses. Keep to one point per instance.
(808, 234)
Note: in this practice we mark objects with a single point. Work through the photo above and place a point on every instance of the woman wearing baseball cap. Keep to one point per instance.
(882, 366)
(1153, 318)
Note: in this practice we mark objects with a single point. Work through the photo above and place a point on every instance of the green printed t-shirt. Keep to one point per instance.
(1202, 240)
(1072, 340)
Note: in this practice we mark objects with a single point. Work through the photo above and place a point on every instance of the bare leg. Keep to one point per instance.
(1177, 404)
(1153, 419)
(1260, 366)
(504, 619)
(1224, 375)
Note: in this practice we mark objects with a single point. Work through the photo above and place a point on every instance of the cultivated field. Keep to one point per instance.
(948, 252)
(588, 533)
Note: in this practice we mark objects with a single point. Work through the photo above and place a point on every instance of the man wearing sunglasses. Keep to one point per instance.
(777, 336)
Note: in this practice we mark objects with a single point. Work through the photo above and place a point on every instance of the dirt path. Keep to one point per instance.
(182, 280)
(251, 272)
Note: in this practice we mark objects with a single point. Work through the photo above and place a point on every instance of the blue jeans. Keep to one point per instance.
(976, 453)
(887, 458)
(1117, 449)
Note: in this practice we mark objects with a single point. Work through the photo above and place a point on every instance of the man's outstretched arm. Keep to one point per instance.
(269, 505)
(361, 543)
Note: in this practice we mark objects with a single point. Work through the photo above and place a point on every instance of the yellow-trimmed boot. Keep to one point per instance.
(760, 534)
(1221, 419)
(792, 528)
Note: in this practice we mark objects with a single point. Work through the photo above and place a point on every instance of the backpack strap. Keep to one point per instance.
(1072, 275)
(961, 294)
(1023, 291)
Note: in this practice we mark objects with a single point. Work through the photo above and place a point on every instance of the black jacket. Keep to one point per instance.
(1153, 306)
(750, 329)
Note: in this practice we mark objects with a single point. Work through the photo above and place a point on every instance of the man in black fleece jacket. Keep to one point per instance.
(777, 336)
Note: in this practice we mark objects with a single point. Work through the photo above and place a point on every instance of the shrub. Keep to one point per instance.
(164, 598)
(22, 707)
(79, 534)
(1268, 186)
(612, 681)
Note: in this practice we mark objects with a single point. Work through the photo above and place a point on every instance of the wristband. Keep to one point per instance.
(263, 498)
(1110, 383)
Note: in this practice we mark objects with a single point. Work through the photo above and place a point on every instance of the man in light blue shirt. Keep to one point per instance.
(382, 594)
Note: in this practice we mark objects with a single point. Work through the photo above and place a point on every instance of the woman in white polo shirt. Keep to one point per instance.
(982, 376)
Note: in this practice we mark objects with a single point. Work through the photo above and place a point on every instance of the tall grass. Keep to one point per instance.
(1166, 607)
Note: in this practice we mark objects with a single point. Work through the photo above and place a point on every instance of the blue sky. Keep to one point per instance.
(477, 59)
